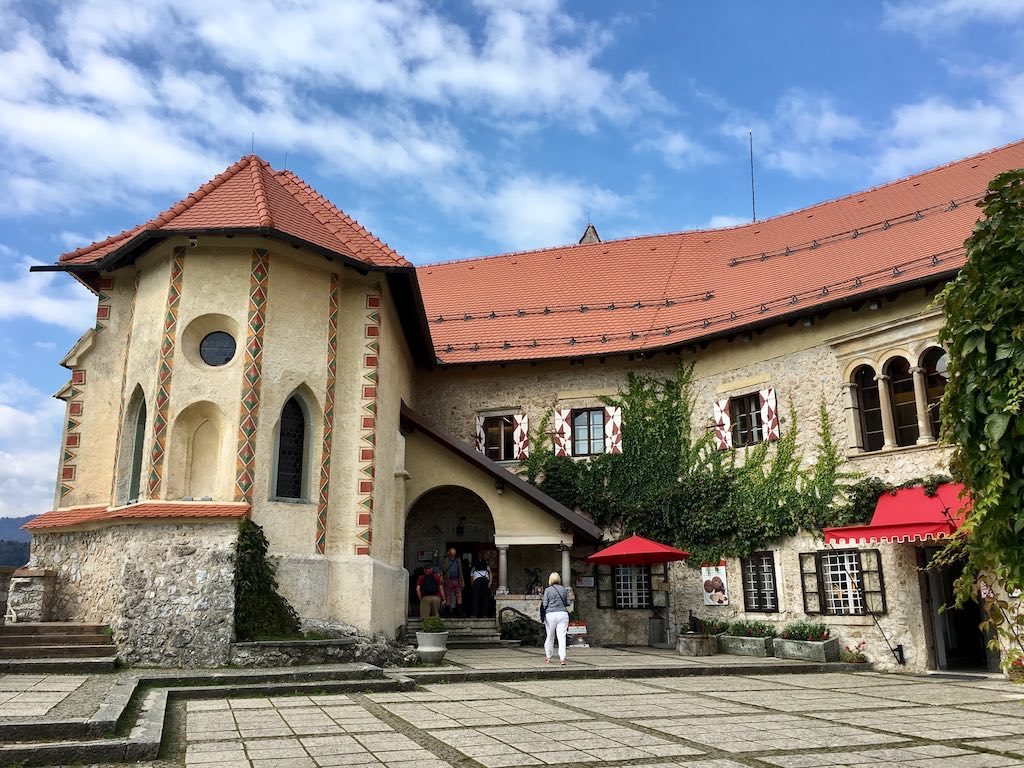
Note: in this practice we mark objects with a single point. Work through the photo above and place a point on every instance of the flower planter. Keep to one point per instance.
(807, 650)
(692, 644)
(745, 646)
(431, 646)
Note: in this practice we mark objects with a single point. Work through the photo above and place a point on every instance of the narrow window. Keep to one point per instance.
(935, 387)
(290, 448)
(135, 478)
(498, 438)
(869, 408)
(759, 591)
(904, 404)
(745, 412)
(843, 582)
(587, 431)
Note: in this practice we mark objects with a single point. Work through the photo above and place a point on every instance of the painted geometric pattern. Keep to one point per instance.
(521, 436)
(332, 375)
(124, 383)
(368, 425)
(245, 459)
(769, 414)
(723, 425)
(106, 285)
(563, 432)
(163, 384)
(72, 437)
(612, 429)
(478, 440)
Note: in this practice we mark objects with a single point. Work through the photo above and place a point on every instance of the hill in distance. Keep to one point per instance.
(10, 528)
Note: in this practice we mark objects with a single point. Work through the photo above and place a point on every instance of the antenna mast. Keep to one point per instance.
(753, 203)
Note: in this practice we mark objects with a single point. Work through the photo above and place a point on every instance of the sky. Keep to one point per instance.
(458, 129)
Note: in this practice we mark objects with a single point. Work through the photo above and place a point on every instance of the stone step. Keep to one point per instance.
(58, 666)
(58, 651)
(14, 641)
(54, 627)
(496, 642)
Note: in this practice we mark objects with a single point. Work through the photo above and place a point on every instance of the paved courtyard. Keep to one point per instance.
(713, 721)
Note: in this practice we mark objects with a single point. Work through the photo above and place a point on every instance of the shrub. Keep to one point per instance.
(260, 611)
(715, 626)
(751, 629)
(806, 630)
(853, 654)
(529, 633)
(432, 624)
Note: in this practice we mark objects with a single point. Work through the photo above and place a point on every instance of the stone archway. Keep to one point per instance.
(448, 515)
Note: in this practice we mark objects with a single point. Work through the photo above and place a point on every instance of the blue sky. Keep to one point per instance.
(457, 129)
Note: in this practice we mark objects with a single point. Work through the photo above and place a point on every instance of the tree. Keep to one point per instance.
(981, 408)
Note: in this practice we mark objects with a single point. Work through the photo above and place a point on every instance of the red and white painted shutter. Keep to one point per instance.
(563, 433)
(521, 436)
(612, 429)
(769, 414)
(480, 433)
(723, 425)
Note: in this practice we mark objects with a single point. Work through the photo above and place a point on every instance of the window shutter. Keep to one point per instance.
(810, 582)
(769, 414)
(480, 433)
(612, 429)
(563, 432)
(521, 436)
(723, 425)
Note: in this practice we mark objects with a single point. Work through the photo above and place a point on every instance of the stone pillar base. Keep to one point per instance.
(30, 595)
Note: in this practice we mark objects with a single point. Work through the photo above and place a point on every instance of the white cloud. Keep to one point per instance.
(46, 297)
(679, 150)
(925, 18)
(725, 220)
(30, 425)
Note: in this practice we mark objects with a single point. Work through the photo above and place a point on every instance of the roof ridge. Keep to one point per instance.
(183, 205)
(734, 227)
(262, 205)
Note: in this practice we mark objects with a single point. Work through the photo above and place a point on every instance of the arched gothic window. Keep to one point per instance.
(903, 401)
(291, 446)
(935, 386)
(138, 444)
(869, 408)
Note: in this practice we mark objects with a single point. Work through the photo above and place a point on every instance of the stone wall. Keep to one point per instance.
(165, 589)
(5, 583)
(903, 622)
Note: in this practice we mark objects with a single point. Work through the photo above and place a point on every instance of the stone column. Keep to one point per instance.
(853, 437)
(924, 424)
(888, 425)
(502, 570)
(566, 568)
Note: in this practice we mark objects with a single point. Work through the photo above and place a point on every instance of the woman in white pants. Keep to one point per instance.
(556, 617)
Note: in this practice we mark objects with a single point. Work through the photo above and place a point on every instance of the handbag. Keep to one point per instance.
(543, 610)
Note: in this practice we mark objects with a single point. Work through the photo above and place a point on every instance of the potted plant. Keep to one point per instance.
(702, 639)
(432, 640)
(747, 638)
(807, 641)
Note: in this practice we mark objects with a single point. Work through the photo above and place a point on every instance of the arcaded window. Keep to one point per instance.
(935, 385)
(291, 447)
(138, 447)
(903, 400)
(869, 409)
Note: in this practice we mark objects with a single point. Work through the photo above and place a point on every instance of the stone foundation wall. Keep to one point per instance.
(166, 590)
(5, 583)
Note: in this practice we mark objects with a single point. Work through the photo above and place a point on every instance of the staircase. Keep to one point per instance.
(56, 646)
(467, 633)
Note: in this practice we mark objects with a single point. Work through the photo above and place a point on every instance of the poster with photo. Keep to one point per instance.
(716, 585)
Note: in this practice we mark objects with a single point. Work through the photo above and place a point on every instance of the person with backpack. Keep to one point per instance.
(454, 581)
(430, 591)
(554, 612)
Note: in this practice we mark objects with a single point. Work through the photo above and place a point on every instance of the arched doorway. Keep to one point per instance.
(444, 517)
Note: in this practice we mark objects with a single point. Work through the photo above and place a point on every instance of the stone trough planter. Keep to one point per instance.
(693, 644)
(807, 650)
(745, 646)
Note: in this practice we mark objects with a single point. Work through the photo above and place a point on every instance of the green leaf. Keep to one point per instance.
(995, 426)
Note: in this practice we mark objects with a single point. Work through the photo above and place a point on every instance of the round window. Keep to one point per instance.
(217, 348)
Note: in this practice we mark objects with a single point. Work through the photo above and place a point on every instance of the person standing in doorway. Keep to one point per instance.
(451, 569)
(480, 582)
(555, 605)
(430, 592)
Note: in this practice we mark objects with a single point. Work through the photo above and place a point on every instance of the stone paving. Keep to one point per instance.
(35, 695)
(714, 721)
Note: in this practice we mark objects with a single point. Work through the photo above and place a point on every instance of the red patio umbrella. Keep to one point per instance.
(636, 550)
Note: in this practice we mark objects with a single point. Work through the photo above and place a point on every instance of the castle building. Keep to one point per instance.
(258, 353)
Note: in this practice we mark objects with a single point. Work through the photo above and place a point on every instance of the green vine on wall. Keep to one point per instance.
(261, 613)
(675, 486)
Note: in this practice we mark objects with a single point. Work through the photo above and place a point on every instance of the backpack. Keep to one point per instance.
(429, 584)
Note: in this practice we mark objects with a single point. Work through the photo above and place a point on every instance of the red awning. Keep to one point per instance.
(636, 550)
(908, 516)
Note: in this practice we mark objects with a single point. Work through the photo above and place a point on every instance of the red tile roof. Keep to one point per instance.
(147, 510)
(250, 195)
(658, 291)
